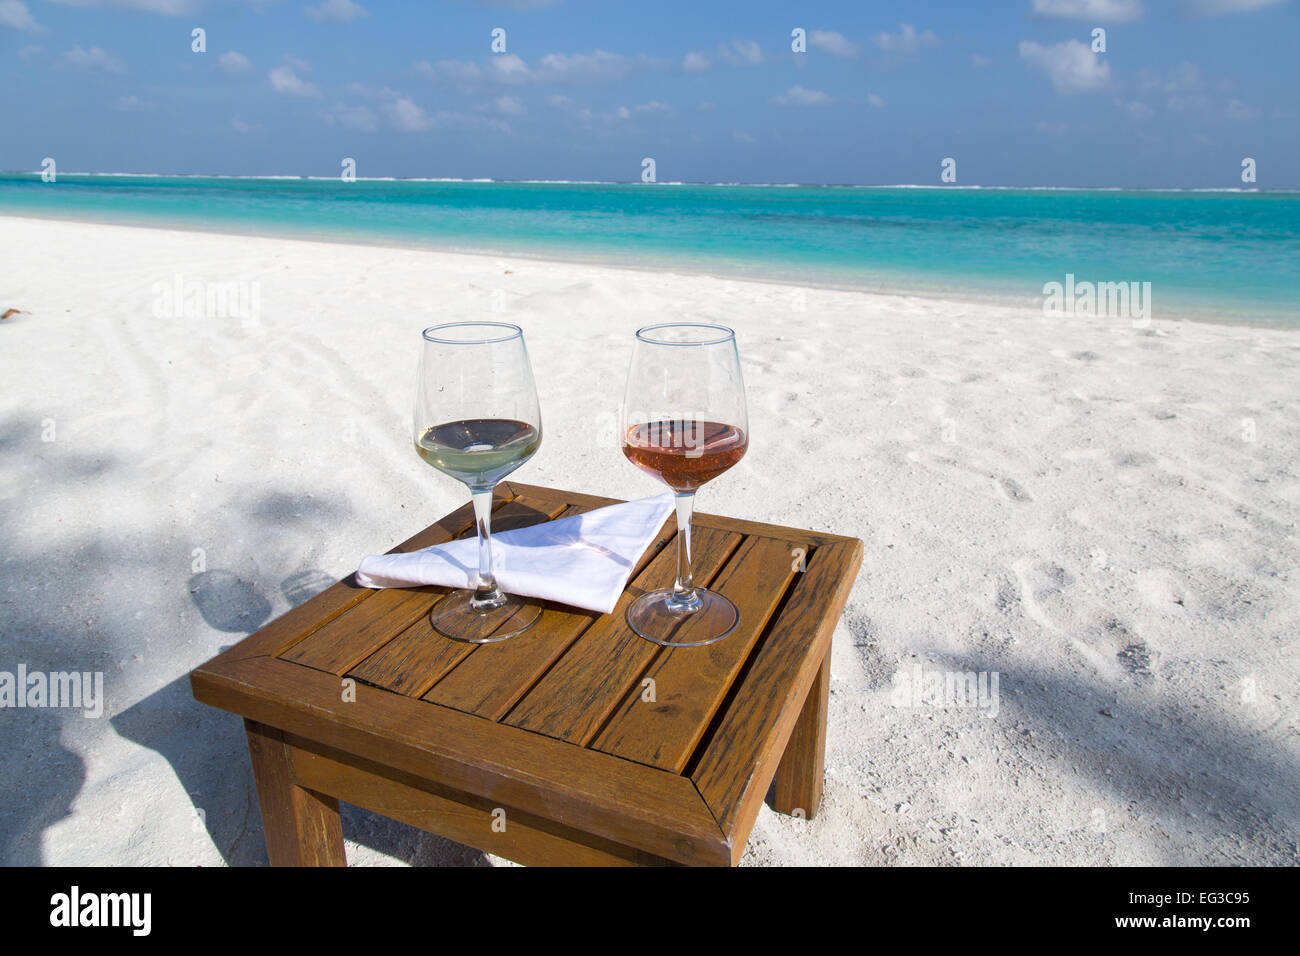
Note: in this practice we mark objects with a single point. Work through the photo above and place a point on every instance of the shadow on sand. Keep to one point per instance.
(121, 616)
(1223, 790)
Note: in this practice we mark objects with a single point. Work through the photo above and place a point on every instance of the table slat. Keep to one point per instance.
(577, 694)
(493, 679)
(625, 802)
(690, 683)
(741, 755)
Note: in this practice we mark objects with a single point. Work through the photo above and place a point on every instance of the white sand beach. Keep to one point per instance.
(1102, 516)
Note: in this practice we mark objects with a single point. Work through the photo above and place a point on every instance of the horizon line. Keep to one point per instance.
(617, 182)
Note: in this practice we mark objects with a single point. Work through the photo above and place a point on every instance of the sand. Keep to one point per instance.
(1101, 516)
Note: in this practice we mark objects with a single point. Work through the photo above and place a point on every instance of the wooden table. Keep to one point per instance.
(576, 742)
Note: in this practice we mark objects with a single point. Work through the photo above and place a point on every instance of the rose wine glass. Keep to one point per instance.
(477, 420)
(684, 422)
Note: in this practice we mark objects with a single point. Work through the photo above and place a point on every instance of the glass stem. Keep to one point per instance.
(486, 593)
(684, 597)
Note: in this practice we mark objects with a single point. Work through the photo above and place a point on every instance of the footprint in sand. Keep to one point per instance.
(802, 411)
(1163, 590)
(1138, 660)
(1041, 587)
(1043, 594)
(1012, 491)
(1133, 460)
(1112, 638)
(1006, 488)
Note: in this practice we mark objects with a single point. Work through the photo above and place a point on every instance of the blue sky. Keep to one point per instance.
(712, 91)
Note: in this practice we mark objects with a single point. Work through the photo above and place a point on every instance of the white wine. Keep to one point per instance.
(478, 451)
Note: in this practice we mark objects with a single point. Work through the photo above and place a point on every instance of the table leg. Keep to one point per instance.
(302, 826)
(797, 786)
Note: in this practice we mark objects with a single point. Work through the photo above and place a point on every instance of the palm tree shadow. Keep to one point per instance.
(207, 751)
(1210, 781)
(42, 777)
(51, 776)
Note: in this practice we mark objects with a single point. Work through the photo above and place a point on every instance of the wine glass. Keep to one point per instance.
(683, 421)
(477, 420)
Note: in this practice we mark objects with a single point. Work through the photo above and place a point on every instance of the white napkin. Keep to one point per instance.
(583, 560)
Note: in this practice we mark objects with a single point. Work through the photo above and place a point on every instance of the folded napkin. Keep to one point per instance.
(583, 560)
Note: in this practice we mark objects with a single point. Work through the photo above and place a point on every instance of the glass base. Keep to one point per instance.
(455, 618)
(659, 618)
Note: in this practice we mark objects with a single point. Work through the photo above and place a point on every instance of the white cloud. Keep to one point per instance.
(798, 96)
(907, 40)
(570, 67)
(980, 62)
(131, 104)
(875, 101)
(234, 63)
(517, 4)
(620, 114)
(558, 101)
(508, 106)
(696, 63)
(1071, 66)
(510, 69)
(361, 118)
(1054, 129)
(828, 41)
(1091, 11)
(336, 11)
(740, 136)
(287, 83)
(168, 8)
(455, 70)
(361, 89)
(1136, 109)
(1237, 110)
(740, 53)
(1183, 78)
(92, 59)
(1218, 8)
(239, 126)
(16, 16)
(405, 115)
(1185, 89)
(29, 51)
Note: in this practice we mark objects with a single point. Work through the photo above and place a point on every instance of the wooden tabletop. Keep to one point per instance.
(557, 724)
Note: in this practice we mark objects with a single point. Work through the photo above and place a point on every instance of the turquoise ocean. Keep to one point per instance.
(1230, 256)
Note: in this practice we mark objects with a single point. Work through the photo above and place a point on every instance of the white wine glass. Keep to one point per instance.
(684, 421)
(477, 419)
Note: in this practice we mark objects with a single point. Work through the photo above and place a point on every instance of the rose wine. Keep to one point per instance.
(684, 454)
(478, 451)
